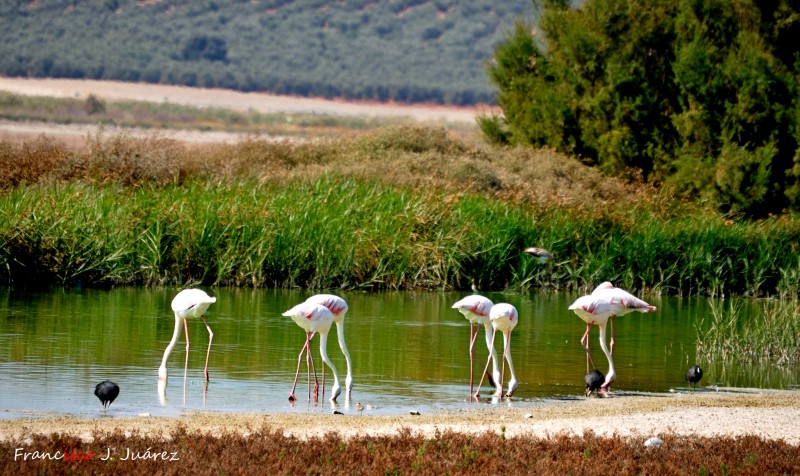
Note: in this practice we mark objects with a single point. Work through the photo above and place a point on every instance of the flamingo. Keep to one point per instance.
(338, 308)
(314, 319)
(107, 391)
(504, 318)
(475, 309)
(187, 304)
(597, 308)
(694, 374)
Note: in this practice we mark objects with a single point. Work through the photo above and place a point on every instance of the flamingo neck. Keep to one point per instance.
(323, 352)
(611, 375)
(162, 371)
(343, 346)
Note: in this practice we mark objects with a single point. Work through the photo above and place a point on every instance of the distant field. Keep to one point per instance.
(110, 91)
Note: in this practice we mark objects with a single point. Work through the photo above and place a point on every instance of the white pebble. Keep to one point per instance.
(654, 442)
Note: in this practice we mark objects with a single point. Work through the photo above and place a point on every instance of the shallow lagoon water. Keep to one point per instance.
(409, 350)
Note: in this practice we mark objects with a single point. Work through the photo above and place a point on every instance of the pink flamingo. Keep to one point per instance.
(475, 309)
(504, 318)
(314, 319)
(597, 308)
(338, 308)
(187, 304)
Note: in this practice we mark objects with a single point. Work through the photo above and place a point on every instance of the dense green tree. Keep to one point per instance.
(698, 95)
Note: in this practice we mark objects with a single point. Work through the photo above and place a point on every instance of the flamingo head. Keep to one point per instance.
(610, 377)
(336, 390)
(512, 387)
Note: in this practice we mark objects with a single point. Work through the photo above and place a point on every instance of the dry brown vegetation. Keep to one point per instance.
(268, 451)
(405, 156)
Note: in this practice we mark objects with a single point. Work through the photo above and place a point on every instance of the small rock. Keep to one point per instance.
(528, 415)
(414, 412)
(144, 414)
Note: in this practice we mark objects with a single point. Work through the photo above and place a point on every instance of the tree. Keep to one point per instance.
(697, 95)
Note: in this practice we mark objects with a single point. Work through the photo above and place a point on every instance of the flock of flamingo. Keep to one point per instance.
(318, 313)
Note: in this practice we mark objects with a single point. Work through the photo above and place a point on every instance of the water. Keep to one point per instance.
(409, 350)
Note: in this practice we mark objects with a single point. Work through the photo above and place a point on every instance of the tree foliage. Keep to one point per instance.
(698, 95)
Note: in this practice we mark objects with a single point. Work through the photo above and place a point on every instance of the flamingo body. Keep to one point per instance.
(189, 303)
(607, 301)
(315, 319)
(476, 309)
(338, 308)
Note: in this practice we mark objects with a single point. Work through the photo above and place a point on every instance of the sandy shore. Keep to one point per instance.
(769, 414)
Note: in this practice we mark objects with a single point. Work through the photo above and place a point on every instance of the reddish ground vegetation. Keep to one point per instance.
(270, 452)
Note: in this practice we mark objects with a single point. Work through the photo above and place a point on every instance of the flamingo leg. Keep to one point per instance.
(473, 335)
(313, 368)
(585, 344)
(210, 338)
(611, 351)
(477, 393)
(297, 373)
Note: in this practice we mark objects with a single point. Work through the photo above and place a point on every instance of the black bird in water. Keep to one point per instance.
(106, 391)
(694, 374)
(594, 380)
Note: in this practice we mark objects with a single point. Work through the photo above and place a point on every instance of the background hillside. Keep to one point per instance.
(399, 50)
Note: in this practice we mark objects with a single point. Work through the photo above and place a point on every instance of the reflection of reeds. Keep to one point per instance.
(770, 337)
(401, 207)
(270, 452)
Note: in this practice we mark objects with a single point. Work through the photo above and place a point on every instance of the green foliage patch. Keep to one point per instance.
(698, 96)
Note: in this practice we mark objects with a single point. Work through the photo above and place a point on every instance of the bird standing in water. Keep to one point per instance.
(504, 318)
(314, 319)
(693, 375)
(475, 309)
(107, 391)
(338, 308)
(594, 380)
(598, 308)
(187, 304)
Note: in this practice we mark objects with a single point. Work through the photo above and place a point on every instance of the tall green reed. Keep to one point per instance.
(770, 338)
(335, 232)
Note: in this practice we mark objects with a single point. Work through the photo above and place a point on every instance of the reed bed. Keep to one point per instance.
(268, 451)
(399, 208)
(769, 338)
